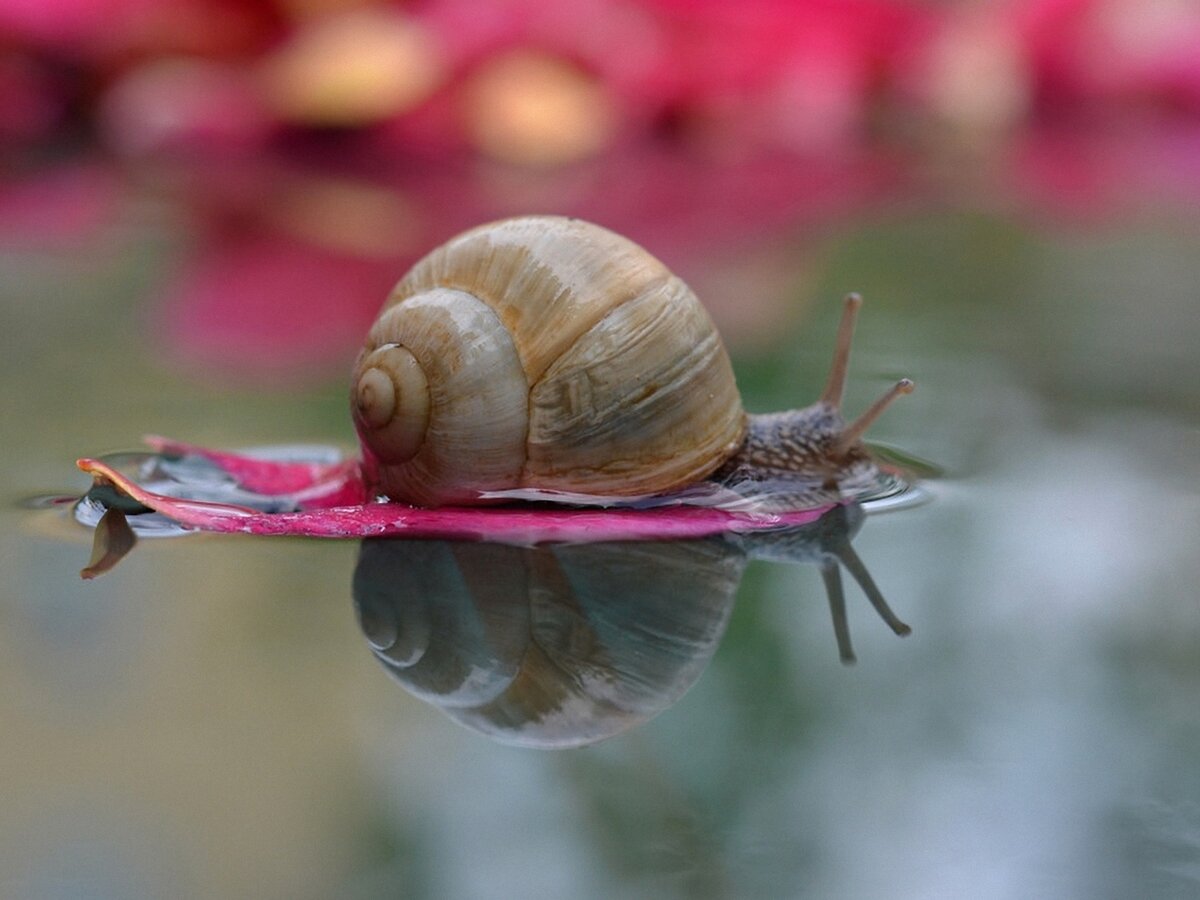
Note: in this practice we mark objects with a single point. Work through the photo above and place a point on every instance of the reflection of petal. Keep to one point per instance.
(112, 542)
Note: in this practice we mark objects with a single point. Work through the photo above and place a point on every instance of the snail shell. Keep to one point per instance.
(542, 352)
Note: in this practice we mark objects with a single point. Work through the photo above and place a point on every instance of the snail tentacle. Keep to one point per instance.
(810, 455)
(854, 432)
(835, 387)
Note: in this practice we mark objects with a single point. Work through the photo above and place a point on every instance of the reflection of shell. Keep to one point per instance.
(562, 645)
(548, 646)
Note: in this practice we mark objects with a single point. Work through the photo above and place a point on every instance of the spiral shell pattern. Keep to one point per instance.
(542, 352)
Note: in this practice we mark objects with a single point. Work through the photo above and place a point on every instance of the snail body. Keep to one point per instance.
(551, 355)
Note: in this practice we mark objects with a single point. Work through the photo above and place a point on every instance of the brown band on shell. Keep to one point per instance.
(549, 279)
(643, 402)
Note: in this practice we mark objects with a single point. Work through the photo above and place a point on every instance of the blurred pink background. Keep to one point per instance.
(298, 155)
(204, 202)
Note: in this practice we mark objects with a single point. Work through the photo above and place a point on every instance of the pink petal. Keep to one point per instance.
(507, 524)
(322, 484)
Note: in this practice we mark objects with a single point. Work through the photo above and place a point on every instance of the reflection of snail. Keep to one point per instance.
(562, 645)
(548, 354)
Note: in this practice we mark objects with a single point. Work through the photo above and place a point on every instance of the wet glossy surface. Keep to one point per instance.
(564, 645)
(208, 719)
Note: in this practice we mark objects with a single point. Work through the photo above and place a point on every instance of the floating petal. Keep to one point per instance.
(525, 525)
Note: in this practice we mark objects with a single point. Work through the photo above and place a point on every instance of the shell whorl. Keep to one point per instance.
(553, 354)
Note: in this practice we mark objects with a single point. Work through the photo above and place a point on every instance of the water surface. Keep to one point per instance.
(209, 720)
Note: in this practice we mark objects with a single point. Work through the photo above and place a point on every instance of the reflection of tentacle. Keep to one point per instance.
(832, 577)
(855, 567)
(826, 543)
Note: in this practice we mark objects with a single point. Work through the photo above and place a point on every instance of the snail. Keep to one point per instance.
(559, 645)
(548, 357)
(538, 358)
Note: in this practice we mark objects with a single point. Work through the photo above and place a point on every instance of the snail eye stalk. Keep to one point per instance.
(854, 432)
(835, 387)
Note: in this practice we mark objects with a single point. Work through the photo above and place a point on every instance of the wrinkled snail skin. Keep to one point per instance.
(551, 354)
